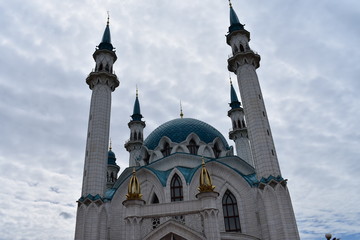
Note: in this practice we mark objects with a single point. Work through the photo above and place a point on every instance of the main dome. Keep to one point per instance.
(178, 130)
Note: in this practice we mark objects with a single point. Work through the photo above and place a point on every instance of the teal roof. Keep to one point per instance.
(178, 130)
(111, 158)
(136, 113)
(234, 21)
(106, 40)
(234, 99)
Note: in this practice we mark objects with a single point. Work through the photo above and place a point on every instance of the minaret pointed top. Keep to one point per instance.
(234, 20)
(233, 97)
(106, 39)
(136, 113)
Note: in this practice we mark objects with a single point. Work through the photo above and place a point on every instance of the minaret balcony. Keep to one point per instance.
(237, 132)
(102, 77)
(242, 58)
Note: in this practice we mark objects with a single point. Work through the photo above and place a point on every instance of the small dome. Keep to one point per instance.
(178, 130)
(111, 157)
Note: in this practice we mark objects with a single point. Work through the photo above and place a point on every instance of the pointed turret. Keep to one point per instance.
(239, 133)
(135, 144)
(233, 97)
(106, 39)
(234, 21)
(136, 112)
(112, 169)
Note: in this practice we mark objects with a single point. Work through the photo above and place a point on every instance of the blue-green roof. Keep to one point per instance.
(234, 99)
(234, 21)
(111, 158)
(106, 40)
(178, 130)
(136, 113)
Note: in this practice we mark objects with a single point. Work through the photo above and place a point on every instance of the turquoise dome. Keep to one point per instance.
(178, 130)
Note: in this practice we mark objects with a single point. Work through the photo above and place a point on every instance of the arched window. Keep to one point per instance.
(100, 67)
(154, 199)
(166, 150)
(243, 122)
(176, 189)
(107, 68)
(231, 213)
(216, 150)
(241, 48)
(239, 123)
(234, 124)
(193, 148)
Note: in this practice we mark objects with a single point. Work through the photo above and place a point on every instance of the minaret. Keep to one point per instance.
(112, 169)
(244, 63)
(135, 143)
(102, 82)
(239, 133)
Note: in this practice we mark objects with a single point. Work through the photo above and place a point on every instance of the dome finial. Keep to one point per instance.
(181, 111)
(137, 91)
(110, 145)
(230, 5)
(108, 18)
(136, 113)
(205, 179)
(230, 78)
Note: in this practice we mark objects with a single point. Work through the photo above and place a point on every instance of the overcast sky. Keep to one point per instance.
(176, 50)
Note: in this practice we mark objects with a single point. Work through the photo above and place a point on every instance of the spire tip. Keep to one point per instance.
(181, 111)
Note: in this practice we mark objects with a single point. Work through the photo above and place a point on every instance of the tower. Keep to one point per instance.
(238, 133)
(102, 81)
(275, 211)
(244, 63)
(112, 169)
(135, 143)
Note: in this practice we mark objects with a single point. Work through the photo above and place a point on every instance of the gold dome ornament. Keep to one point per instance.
(133, 188)
(205, 180)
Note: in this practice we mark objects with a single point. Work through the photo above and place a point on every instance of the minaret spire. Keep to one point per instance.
(135, 143)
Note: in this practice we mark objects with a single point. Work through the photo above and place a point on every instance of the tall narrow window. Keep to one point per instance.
(216, 150)
(166, 150)
(176, 189)
(193, 148)
(231, 213)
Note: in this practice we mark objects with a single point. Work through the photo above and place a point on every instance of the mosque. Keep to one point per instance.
(168, 191)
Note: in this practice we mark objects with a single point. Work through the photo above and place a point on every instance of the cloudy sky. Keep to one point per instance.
(176, 50)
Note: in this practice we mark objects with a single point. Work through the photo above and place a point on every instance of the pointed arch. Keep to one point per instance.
(206, 151)
(176, 228)
(193, 147)
(179, 148)
(100, 67)
(166, 149)
(176, 189)
(230, 212)
(242, 48)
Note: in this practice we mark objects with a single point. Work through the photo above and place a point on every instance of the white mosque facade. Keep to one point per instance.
(168, 191)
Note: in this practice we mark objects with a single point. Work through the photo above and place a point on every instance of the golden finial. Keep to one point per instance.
(181, 111)
(137, 91)
(230, 3)
(133, 188)
(108, 18)
(110, 147)
(205, 179)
